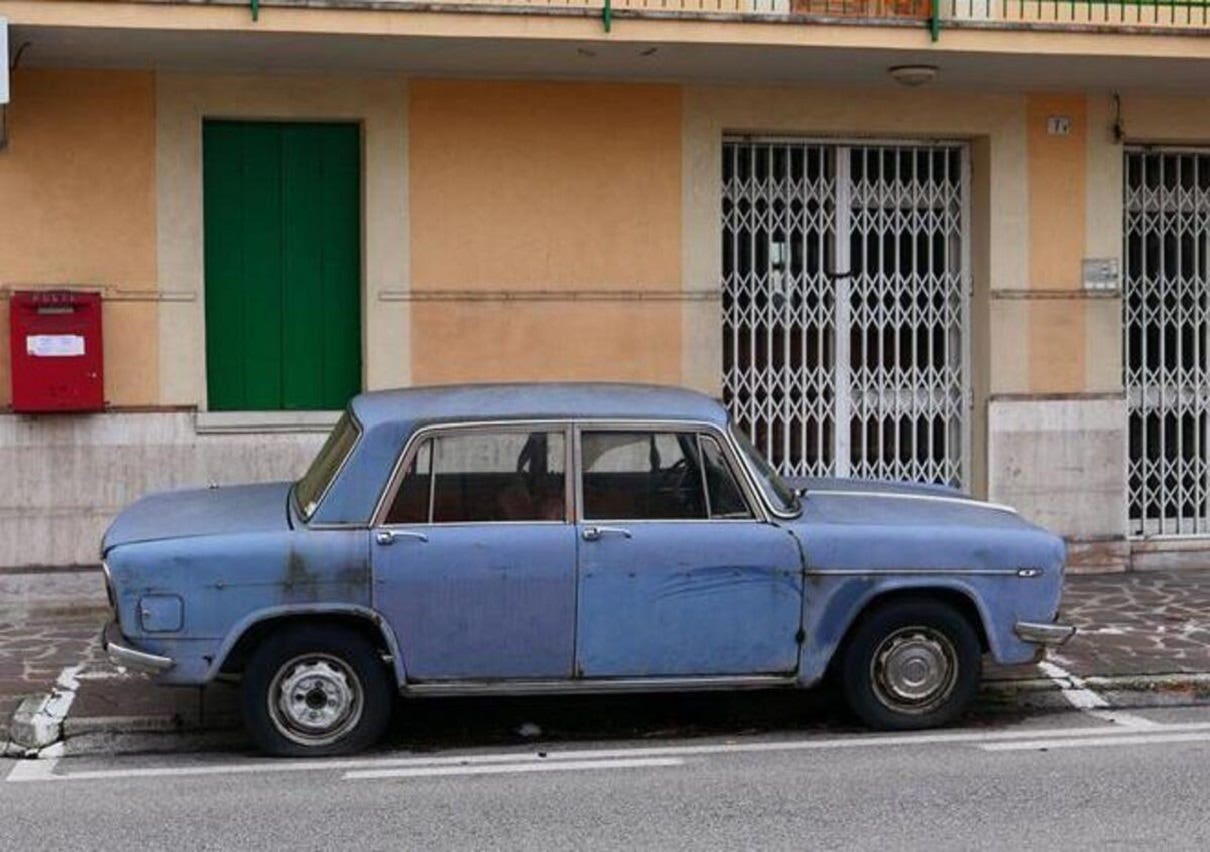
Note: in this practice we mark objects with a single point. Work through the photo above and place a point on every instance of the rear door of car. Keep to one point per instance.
(680, 573)
(475, 555)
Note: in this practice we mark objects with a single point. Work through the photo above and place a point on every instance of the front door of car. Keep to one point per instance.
(679, 576)
(475, 559)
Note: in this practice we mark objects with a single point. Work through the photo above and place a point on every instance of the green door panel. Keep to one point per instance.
(282, 219)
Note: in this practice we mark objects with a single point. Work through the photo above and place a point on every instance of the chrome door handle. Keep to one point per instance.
(595, 533)
(387, 537)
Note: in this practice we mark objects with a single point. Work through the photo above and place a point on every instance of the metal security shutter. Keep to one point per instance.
(282, 220)
(845, 289)
(1166, 231)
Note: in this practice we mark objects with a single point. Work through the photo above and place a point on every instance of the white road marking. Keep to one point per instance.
(34, 770)
(21, 773)
(1093, 742)
(512, 768)
(1077, 693)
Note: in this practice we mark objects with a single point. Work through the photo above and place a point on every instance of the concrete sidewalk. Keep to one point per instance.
(1143, 639)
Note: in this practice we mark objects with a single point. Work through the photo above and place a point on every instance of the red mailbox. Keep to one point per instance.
(56, 351)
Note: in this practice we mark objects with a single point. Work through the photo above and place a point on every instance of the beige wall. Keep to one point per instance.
(544, 231)
(184, 102)
(78, 179)
(1057, 203)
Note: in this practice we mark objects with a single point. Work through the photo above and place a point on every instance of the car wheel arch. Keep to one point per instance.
(244, 637)
(961, 599)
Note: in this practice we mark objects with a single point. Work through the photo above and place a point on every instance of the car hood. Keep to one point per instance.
(201, 511)
(854, 524)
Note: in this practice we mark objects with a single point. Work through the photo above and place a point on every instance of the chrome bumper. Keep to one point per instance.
(121, 654)
(1043, 634)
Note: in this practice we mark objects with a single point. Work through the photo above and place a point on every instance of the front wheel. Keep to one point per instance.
(911, 664)
(315, 691)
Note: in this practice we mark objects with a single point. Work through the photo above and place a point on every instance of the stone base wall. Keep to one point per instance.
(1061, 462)
(64, 477)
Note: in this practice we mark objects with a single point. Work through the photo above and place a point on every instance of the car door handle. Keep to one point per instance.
(387, 537)
(594, 533)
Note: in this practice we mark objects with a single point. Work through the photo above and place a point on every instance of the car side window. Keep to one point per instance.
(726, 497)
(482, 477)
(637, 475)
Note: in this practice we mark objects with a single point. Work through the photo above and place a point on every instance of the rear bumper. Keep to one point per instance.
(121, 653)
(1043, 634)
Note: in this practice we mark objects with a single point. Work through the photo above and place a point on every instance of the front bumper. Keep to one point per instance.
(122, 654)
(1043, 634)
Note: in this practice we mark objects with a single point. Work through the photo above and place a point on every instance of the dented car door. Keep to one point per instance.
(680, 574)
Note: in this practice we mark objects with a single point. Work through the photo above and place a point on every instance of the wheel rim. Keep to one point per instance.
(315, 699)
(914, 670)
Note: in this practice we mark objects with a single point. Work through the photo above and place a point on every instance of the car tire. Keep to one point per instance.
(312, 691)
(911, 664)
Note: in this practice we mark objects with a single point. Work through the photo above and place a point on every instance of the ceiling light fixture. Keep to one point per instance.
(913, 75)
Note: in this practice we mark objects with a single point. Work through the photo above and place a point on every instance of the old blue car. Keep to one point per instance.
(512, 539)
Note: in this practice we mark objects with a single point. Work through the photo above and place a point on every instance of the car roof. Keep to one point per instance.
(535, 401)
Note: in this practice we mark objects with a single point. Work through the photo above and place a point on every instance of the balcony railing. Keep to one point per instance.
(1078, 15)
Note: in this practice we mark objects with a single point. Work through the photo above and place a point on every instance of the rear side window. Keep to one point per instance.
(483, 477)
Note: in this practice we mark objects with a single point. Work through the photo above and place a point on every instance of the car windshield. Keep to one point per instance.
(310, 489)
(780, 494)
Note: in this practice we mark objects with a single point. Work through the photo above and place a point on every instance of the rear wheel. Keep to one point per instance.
(316, 690)
(911, 664)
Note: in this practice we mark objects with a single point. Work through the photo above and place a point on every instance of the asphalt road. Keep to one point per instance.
(1075, 780)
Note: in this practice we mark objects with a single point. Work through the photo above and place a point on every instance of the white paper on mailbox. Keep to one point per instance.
(54, 345)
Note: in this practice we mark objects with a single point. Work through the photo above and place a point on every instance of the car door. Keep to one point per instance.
(680, 574)
(474, 561)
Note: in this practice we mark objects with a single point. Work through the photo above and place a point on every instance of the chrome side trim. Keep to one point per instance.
(590, 687)
(911, 572)
(931, 498)
(1052, 635)
(112, 642)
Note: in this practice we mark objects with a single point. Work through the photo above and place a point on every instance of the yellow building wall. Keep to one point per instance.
(545, 226)
(78, 179)
(1058, 178)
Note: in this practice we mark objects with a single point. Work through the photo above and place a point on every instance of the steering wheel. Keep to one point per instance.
(677, 482)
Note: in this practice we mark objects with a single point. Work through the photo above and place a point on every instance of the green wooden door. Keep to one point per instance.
(282, 211)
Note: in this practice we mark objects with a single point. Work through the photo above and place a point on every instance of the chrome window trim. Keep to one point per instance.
(764, 511)
(319, 502)
(751, 479)
(695, 426)
(912, 572)
(729, 461)
(701, 472)
(434, 430)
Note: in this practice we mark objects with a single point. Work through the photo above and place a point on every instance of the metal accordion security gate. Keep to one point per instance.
(1166, 236)
(845, 302)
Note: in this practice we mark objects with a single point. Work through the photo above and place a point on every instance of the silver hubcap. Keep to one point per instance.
(315, 699)
(914, 670)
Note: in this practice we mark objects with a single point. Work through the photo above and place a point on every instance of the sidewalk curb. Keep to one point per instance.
(122, 735)
(1174, 681)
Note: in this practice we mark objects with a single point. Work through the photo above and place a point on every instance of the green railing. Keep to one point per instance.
(1114, 15)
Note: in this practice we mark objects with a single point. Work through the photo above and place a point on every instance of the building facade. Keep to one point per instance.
(996, 278)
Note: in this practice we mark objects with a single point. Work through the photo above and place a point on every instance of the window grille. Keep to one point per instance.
(845, 290)
(1166, 232)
